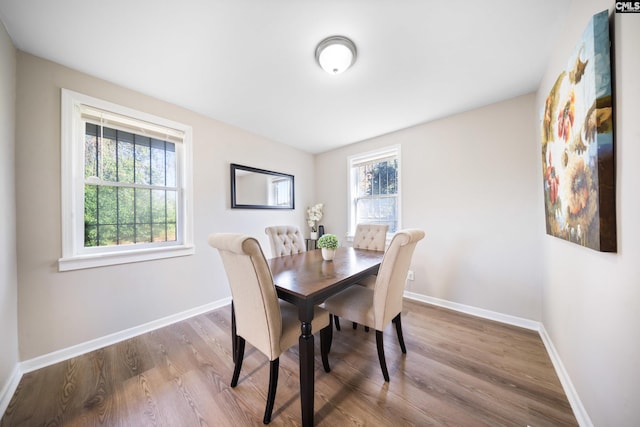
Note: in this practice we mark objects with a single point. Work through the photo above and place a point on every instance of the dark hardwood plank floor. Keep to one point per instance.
(459, 370)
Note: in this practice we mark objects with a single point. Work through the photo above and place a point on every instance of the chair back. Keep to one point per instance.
(255, 300)
(370, 236)
(285, 240)
(392, 276)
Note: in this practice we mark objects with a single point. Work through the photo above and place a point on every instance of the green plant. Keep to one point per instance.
(328, 241)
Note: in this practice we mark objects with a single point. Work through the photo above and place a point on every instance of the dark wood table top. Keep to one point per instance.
(306, 276)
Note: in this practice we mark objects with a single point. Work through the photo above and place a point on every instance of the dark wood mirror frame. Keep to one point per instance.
(253, 188)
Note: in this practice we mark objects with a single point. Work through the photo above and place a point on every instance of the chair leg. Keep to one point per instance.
(355, 326)
(326, 336)
(337, 319)
(398, 323)
(330, 334)
(234, 336)
(239, 356)
(273, 385)
(383, 362)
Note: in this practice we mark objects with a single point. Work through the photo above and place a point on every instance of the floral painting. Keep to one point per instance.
(577, 145)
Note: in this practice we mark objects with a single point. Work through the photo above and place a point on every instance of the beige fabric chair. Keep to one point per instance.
(258, 316)
(372, 237)
(285, 240)
(381, 305)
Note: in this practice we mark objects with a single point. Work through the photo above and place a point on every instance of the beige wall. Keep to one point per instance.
(8, 275)
(591, 300)
(470, 181)
(58, 310)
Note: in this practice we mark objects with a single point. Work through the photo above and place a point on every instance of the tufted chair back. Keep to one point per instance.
(258, 318)
(285, 240)
(372, 237)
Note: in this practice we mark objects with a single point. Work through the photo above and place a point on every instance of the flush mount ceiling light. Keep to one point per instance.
(335, 54)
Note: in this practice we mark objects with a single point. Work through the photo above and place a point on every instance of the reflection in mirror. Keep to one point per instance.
(253, 188)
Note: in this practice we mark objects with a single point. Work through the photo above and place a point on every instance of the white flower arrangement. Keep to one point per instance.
(314, 214)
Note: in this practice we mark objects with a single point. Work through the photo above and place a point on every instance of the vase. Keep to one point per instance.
(328, 254)
(313, 235)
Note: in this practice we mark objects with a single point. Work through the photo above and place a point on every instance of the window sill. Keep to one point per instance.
(124, 257)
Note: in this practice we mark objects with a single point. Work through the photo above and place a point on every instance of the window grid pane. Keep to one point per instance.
(377, 178)
(125, 160)
(142, 159)
(158, 162)
(377, 210)
(123, 213)
(90, 152)
(375, 191)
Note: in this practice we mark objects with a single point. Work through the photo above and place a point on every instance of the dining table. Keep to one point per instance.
(305, 279)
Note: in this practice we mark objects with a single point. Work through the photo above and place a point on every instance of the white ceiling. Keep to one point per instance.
(250, 63)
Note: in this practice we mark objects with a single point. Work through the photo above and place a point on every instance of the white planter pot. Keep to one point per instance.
(328, 254)
(313, 235)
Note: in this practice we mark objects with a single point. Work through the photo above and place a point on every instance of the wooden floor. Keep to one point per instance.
(459, 370)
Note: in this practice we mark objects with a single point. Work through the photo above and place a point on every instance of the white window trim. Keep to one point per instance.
(74, 255)
(380, 153)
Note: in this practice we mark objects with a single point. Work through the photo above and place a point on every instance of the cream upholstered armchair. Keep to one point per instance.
(285, 240)
(381, 305)
(257, 315)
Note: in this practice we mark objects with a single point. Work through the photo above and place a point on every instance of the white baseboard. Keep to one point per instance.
(9, 388)
(474, 311)
(85, 347)
(574, 400)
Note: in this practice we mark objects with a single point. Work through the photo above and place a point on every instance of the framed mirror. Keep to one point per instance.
(253, 188)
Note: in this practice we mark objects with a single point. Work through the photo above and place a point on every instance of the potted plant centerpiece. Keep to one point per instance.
(328, 243)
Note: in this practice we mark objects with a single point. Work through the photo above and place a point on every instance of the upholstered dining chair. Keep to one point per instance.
(372, 237)
(381, 305)
(285, 240)
(257, 315)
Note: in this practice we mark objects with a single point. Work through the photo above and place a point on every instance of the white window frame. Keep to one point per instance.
(74, 254)
(379, 153)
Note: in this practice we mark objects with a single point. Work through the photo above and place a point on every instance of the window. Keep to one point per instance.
(125, 184)
(280, 192)
(374, 189)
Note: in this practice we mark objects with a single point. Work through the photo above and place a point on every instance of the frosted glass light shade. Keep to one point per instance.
(336, 54)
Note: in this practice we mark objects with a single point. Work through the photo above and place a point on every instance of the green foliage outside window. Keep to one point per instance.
(129, 193)
(376, 199)
(378, 178)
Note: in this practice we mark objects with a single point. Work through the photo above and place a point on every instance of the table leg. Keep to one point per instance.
(306, 373)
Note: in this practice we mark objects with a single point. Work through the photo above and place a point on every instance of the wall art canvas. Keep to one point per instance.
(578, 145)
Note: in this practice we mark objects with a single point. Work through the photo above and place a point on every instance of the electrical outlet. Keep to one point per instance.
(410, 275)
